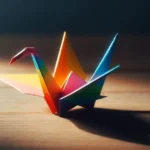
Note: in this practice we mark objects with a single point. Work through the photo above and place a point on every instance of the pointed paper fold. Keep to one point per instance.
(104, 64)
(49, 86)
(73, 82)
(67, 62)
(25, 83)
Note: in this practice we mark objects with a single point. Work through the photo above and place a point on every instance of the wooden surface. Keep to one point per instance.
(120, 121)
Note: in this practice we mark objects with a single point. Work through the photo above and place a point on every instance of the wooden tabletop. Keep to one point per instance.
(119, 121)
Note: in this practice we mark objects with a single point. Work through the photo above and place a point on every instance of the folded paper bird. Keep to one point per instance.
(67, 87)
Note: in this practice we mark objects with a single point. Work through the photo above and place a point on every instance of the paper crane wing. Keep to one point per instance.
(25, 83)
(104, 64)
(67, 62)
(86, 94)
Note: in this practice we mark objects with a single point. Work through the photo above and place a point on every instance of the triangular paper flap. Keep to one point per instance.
(104, 64)
(20, 83)
(67, 62)
(49, 86)
(27, 79)
(73, 82)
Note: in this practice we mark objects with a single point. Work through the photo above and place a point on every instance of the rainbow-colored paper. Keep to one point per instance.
(67, 87)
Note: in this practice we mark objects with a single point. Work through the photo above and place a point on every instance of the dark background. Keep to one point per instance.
(81, 17)
(90, 24)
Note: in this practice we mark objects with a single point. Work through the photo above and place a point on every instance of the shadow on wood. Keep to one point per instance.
(117, 124)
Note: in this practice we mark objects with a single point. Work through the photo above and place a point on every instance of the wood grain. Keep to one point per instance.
(120, 121)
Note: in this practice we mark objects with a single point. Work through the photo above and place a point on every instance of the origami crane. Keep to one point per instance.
(67, 87)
